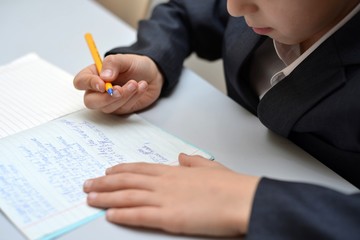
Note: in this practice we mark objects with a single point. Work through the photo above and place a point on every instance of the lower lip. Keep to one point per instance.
(262, 31)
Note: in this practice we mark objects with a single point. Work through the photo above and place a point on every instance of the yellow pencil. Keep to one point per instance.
(97, 59)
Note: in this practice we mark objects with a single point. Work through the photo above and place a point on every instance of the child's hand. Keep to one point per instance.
(136, 81)
(198, 197)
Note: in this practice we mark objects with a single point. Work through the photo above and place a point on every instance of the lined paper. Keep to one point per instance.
(49, 148)
(42, 169)
(33, 92)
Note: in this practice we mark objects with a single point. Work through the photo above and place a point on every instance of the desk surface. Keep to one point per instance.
(195, 112)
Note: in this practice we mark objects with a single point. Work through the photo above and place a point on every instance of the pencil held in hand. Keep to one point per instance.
(97, 59)
(108, 88)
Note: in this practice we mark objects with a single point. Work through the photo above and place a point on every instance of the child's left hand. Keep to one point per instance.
(200, 196)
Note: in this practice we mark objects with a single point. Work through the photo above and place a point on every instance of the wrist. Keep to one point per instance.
(248, 194)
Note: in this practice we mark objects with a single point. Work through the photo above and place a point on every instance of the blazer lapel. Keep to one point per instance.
(240, 42)
(316, 77)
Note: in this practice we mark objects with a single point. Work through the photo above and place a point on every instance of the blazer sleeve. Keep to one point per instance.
(288, 210)
(175, 30)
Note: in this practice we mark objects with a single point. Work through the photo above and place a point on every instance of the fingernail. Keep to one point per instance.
(131, 87)
(106, 73)
(92, 195)
(116, 94)
(87, 184)
(108, 171)
(142, 85)
(109, 214)
(98, 87)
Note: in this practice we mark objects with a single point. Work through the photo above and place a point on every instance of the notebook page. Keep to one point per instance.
(33, 92)
(43, 169)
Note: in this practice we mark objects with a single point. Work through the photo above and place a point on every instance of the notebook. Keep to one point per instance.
(44, 163)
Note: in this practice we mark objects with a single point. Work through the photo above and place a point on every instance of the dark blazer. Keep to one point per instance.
(317, 106)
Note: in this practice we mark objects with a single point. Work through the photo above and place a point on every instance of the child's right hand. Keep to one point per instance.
(136, 80)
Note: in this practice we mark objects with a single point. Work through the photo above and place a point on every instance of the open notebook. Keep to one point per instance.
(43, 168)
(33, 91)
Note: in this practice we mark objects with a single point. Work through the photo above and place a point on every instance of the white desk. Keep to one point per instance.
(196, 112)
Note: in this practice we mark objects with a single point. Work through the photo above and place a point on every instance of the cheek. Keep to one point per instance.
(286, 35)
(231, 7)
(291, 30)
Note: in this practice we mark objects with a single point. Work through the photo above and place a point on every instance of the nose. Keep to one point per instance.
(239, 8)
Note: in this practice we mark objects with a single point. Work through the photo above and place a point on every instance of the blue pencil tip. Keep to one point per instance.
(110, 91)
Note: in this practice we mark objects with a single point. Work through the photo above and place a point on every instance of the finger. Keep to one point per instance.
(114, 65)
(126, 92)
(117, 182)
(135, 98)
(193, 160)
(128, 101)
(88, 79)
(107, 103)
(196, 161)
(146, 216)
(151, 169)
(99, 100)
(121, 199)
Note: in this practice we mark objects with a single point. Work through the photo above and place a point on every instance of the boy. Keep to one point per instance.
(293, 63)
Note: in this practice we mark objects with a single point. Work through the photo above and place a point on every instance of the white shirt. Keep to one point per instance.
(282, 59)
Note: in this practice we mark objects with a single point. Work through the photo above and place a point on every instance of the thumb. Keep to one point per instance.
(195, 161)
(113, 65)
